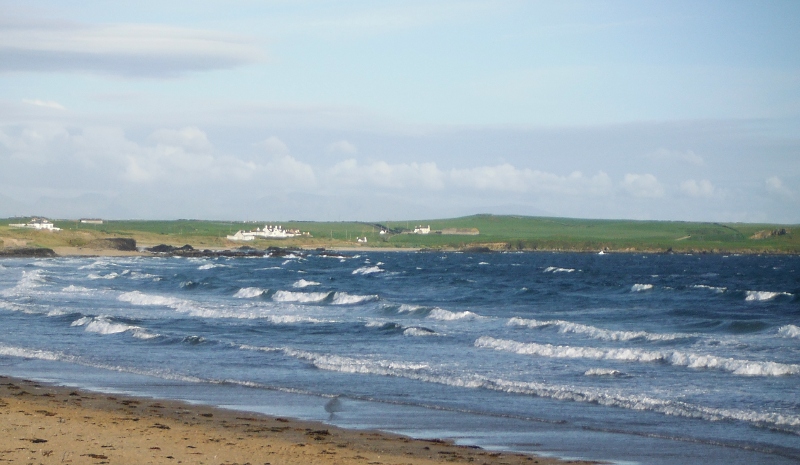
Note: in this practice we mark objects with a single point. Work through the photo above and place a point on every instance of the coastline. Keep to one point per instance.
(43, 423)
(92, 252)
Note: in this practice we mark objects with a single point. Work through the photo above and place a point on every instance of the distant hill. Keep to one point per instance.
(495, 232)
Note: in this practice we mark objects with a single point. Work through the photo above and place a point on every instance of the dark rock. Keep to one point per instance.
(189, 251)
(28, 252)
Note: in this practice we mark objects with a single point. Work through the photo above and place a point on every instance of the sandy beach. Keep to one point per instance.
(41, 424)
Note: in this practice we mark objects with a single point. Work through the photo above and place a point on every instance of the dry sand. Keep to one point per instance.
(42, 424)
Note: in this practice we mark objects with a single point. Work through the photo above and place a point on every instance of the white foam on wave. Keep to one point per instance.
(554, 269)
(763, 296)
(303, 284)
(195, 310)
(446, 315)
(425, 373)
(103, 325)
(76, 289)
(33, 353)
(343, 298)
(62, 357)
(112, 275)
(718, 290)
(140, 298)
(789, 331)
(406, 308)
(364, 270)
(249, 292)
(419, 332)
(690, 360)
(594, 332)
(207, 266)
(602, 372)
(292, 319)
(140, 275)
(29, 281)
(641, 287)
(302, 297)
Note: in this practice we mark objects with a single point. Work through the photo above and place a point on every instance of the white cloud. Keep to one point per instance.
(44, 103)
(687, 156)
(642, 185)
(189, 138)
(775, 185)
(343, 147)
(120, 49)
(383, 174)
(286, 171)
(506, 177)
(702, 188)
(273, 146)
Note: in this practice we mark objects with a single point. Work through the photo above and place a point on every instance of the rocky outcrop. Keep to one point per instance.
(189, 251)
(766, 234)
(27, 252)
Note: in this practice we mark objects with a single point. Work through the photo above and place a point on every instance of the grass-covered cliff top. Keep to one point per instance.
(495, 232)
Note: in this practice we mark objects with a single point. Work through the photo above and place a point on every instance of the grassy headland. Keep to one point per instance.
(495, 232)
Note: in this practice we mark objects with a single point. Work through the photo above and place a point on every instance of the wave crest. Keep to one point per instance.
(690, 360)
(594, 332)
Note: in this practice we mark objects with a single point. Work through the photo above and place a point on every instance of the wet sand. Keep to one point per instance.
(41, 424)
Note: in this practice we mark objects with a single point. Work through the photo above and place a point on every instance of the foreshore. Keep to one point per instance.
(44, 424)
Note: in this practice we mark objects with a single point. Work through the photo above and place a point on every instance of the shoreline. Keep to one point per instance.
(45, 423)
(91, 252)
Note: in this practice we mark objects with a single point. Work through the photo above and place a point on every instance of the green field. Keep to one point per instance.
(496, 232)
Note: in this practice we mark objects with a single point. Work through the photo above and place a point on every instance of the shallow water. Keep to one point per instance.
(630, 358)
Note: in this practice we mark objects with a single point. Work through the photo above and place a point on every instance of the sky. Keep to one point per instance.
(373, 111)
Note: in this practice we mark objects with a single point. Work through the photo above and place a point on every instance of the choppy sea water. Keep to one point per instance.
(623, 357)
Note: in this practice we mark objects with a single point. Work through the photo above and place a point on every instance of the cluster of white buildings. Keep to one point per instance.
(422, 229)
(36, 223)
(268, 232)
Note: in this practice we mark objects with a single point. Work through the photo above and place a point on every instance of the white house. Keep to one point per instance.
(422, 229)
(269, 232)
(240, 236)
(36, 223)
(363, 240)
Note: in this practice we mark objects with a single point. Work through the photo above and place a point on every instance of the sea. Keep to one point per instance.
(628, 358)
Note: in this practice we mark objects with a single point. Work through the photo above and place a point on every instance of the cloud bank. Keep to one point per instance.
(129, 50)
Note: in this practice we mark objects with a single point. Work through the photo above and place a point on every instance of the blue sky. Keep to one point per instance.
(282, 110)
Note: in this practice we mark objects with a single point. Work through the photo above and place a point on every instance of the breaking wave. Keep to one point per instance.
(343, 298)
(111, 275)
(718, 290)
(423, 372)
(446, 315)
(364, 270)
(419, 331)
(249, 292)
(29, 281)
(763, 296)
(140, 298)
(594, 332)
(554, 269)
(303, 283)
(789, 331)
(103, 325)
(302, 297)
(641, 287)
(690, 360)
(76, 289)
(603, 372)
